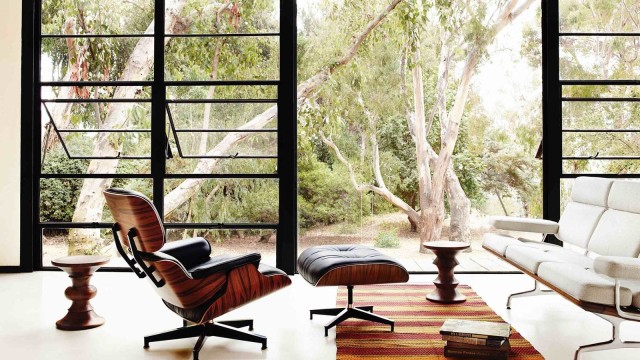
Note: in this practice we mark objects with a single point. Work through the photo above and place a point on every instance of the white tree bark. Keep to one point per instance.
(91, 201)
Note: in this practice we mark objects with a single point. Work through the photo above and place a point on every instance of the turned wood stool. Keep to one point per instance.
(80, 269)
(446, 283)
(349, 265)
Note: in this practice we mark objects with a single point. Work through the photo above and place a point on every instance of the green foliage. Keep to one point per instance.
(325, 196)
(58, 197)
(387, 239)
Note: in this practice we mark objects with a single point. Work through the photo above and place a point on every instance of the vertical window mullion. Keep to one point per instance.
(158, 98)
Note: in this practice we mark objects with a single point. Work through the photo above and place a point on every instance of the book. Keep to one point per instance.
(495, 343)
(476, 329)
(454, 349)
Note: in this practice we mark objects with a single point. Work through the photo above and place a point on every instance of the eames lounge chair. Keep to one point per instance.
(194, 285)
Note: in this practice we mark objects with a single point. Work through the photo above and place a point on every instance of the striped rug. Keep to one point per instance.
(418, 322)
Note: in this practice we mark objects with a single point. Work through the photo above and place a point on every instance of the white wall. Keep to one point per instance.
(10, 28)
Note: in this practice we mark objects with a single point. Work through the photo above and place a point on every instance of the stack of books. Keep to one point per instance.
(476, 339)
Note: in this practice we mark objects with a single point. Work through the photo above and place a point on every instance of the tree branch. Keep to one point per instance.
(380, 190)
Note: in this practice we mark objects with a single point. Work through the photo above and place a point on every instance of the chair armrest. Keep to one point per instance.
(188, 252)
(539, 226)
(618, 267)
(223, 263)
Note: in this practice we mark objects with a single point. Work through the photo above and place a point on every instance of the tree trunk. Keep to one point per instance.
(90, 201)
(459, 208)
(431, 222)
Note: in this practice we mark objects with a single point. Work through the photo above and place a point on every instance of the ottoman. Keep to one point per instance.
(349, 265)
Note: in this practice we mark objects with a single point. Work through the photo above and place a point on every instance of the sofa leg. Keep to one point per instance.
(536, 291)
(614, 343)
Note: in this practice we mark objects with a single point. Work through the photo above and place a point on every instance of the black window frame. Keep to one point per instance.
(31, 226)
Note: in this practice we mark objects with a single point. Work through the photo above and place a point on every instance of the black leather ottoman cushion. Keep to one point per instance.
(318, 261)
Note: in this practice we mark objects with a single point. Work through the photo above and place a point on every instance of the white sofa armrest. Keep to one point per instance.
(539, 226)
(618, 267)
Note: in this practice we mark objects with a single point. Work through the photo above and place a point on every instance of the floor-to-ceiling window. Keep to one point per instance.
(405, 81)
(181, 100)
(599, 71)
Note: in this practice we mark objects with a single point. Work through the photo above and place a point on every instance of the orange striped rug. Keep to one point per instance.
(417, 324)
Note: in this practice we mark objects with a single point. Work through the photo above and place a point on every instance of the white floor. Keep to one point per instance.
(31, 303)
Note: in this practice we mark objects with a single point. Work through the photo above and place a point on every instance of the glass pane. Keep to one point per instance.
(233, 242)
(601, 166)
(233, 92)
(97, 17)
(55, 244)
(177, 165)
(208, 17)
(221, 201)
(224, 58)
(600, 144)
(256, 144)
(599, 58)
(605, 115)
(599, 16)
(223, 116)
(495, 149)
(96, 59)
(59, 198)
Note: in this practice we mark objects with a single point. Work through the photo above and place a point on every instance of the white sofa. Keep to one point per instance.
(599, 268)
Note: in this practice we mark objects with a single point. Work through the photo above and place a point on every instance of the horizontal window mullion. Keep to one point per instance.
(601, 130)
(79, 36)
(267, 34)
(96, 176)
(601, 158)
(221, 176)
(221, 82)
(220, 226)
(220, 101)
(568, 99)
(229, 156)
(74, 225)
(599, 34)
(604, 175)
(104, 130)
(88, 101)
(227, 130)
(599, 82)
(73, 157)
(96, 83)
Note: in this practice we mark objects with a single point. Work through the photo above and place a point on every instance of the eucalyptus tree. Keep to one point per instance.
(464, 31)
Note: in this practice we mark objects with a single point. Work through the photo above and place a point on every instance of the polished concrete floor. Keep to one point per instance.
(31, 303)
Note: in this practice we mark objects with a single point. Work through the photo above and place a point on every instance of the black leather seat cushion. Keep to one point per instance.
(188, 251)
(315, 262)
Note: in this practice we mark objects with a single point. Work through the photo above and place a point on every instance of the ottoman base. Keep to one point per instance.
(357, 312)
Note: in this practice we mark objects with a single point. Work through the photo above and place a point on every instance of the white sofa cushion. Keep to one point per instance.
(624, 196)
(591, 190)
(531, 259)
(617, 234)
(540, 226)
(500, 242)
(582, 284)
(578, 222)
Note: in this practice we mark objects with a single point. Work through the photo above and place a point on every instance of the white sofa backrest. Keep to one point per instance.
(618, 231)
(589, 198)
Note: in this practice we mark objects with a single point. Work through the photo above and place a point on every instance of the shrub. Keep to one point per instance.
(387, 239)
(58, 197)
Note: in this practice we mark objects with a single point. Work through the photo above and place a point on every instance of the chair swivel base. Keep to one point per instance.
(224, 329)
(357, 312)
